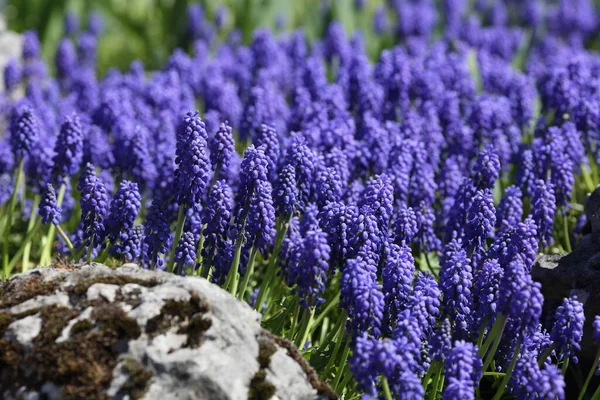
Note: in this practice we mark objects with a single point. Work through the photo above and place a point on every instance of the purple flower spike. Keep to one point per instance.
(69, 148)
(193, 164)
(185, 254)
(48, 208)
(124, 208)
(463, 369)
(568, 327)
(25, 133)
(94, 206)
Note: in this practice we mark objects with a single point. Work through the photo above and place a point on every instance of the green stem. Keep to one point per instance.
(565, 366)
(103, 256)
(9, 213)
(596, 395)
(339, 330)
(434, 387)
(91, 250)
(590, 375)
(178, 233)
(295, 317)
(333, 303)
(339, 374)
(17, 256)
(263, 291)
(493, 373)
(546, 354)
(324, 326)
(46, 256)
(509, 371)
(566, 232)
(493, 341)
(386, 388)
(589, 184)
(307, 317)
(203, 272)
(30, 225)
(249, 272)
(482, 332)
(433, 368)
(66, 239)
(233, 277)
(342, 386)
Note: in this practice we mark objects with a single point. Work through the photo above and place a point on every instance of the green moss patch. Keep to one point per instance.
(139, 377)
(18, 291)
(260, 387)
(83, 365)
(82, 287)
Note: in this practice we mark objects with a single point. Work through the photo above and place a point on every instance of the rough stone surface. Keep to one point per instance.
(23, 331)
(576, 274)
(133, 333)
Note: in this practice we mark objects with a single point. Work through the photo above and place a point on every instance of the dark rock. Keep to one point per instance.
(576, 274)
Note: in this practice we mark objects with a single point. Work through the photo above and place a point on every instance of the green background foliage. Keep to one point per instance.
(149, 30)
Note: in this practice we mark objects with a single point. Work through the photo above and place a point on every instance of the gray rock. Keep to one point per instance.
(102, 291)
(142, 334)
(24, 330)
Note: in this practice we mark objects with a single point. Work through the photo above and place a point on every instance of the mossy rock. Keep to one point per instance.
(165, 337)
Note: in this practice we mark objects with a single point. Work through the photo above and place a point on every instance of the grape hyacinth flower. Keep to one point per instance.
(68, 149)
(485, 294)
(428, 293)
(31, 46)
(12, 75)
(268, 139)
(463, 369)
(221, 148)
(157, 233)
(487, 169)
(192, 173)
(124, 209)
(379, 197)
(361, 295)
(48, 208)
(543, 208)
(328, 186)
(311, 273)
(94, 208)
(510, 209)
(441, 341)
(405, 225)
(95, 24)
(216, 216)
(397, 274)
(185, 254)
(254, 189)
(568, 328)
(71, 23)
(65, 61)
(25, 133)
(456, 281)
(481, 218)
(285, 193)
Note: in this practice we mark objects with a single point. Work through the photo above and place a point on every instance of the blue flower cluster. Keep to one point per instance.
(382, 209)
